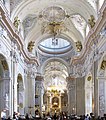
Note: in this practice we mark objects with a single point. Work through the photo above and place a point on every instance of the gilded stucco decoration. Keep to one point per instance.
(91, 21)
(103, 65)
(16, 22)
(4, 64)
(30, 46)
(89, 78)
(54, 17)
(19, 77)
(54, 28)
(78, 46)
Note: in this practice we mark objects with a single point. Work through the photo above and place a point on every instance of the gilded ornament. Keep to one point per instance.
(78, 46)
(30, 46)
(103, 65)
(54, 28)
(89, 78)
(16, 22)
(91, 21)
(4, 64)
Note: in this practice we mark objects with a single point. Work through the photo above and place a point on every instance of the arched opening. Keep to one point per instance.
(4, 85)
(55, 74)
(88, 95)
(20, 94)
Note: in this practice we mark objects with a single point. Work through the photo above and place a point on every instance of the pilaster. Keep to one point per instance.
(39, 89)
(31, 93)
(96, 96)
(71, 85)
(80, 96)
(102, 95)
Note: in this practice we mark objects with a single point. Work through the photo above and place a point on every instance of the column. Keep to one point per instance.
(71, 85)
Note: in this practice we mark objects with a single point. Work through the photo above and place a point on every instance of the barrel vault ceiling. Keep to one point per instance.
(71, 19)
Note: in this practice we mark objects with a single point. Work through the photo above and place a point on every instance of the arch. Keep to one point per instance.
(6, 61)
(52, 59)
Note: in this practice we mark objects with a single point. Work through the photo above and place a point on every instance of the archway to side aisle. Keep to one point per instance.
(4, 85)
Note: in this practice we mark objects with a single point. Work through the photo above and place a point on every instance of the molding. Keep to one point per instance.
(5, 20)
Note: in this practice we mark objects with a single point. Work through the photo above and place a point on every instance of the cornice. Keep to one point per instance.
(92, 37)
(5, 20)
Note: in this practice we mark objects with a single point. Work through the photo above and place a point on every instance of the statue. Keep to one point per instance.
(30, 46)
(91, 21)
(16, 22)
(78, 46)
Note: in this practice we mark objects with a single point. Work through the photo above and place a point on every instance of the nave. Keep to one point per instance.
(53, 59)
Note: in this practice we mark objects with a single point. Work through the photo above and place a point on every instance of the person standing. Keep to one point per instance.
(3, 115)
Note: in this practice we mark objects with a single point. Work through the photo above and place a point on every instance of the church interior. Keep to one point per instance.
(53, 57)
